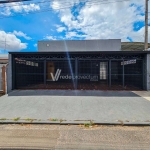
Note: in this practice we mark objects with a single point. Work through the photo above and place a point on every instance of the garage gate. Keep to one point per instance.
(78, 71)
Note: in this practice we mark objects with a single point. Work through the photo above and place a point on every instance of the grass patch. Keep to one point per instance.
(16, 119)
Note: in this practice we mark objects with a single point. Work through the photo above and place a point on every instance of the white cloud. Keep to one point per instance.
(9, 41)
(6, 12)
(71, 34)
(104, 20)
(60, 29)
(19, 7)
(59, 4)
(35, 45)
(55, 5)
(49, 37)
(21, 34)
(31, 7)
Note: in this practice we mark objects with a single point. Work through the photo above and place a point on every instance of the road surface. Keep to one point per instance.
(62, 137)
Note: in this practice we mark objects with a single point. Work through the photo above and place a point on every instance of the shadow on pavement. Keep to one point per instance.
(72, 93)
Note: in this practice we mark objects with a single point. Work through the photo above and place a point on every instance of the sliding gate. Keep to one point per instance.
(76, 73)
(50, 74)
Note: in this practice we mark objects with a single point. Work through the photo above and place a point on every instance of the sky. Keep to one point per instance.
(23, 24)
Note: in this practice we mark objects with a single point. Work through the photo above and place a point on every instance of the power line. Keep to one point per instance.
(20, 4)
(11, 1)
(69, 6)
(61, 3)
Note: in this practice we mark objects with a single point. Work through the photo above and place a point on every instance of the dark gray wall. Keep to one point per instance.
(148, 72)
(79, 45)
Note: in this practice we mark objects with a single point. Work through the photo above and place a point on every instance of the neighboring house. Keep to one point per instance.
(133, 46)
(3, 58)
(3, 63)
(82, 65)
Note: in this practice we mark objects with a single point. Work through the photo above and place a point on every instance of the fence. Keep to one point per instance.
(2, 79)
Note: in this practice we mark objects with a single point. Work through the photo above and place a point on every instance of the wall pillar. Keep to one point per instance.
(109, 73)
(123, 80)
(9, 74)
(44, 72)
(4, 79)
(148, 72)
(76, 73)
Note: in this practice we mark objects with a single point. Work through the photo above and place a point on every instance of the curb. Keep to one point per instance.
(76, 123)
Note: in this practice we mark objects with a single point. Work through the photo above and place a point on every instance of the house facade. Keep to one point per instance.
(79, 65)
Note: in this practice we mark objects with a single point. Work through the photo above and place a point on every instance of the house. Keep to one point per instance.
(82, 65)
(3, 63)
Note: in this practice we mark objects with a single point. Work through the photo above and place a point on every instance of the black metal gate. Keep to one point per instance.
(77, 72)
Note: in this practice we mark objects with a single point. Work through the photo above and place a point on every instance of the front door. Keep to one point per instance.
(103, 71)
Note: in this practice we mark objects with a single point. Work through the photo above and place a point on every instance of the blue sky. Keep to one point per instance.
(23, 24)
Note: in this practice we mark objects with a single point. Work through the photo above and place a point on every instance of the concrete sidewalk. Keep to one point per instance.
(49, 106)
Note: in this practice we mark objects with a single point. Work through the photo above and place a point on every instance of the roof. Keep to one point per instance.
(125, 46)
(3, 58)
(81, 52)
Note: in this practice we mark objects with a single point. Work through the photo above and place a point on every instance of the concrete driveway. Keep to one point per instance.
(76, 106)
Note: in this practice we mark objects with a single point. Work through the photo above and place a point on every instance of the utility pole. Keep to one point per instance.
(146, 25)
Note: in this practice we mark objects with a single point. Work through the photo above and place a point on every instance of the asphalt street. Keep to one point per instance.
(69, 137)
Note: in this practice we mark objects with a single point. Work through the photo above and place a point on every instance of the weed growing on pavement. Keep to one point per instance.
(90, 124)
(16, 119)
(1, 95)
(29, 119)
(53, 119)
(147, 121)
(3, 119)
(121, 122)
(61, 120)
(87, 125)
